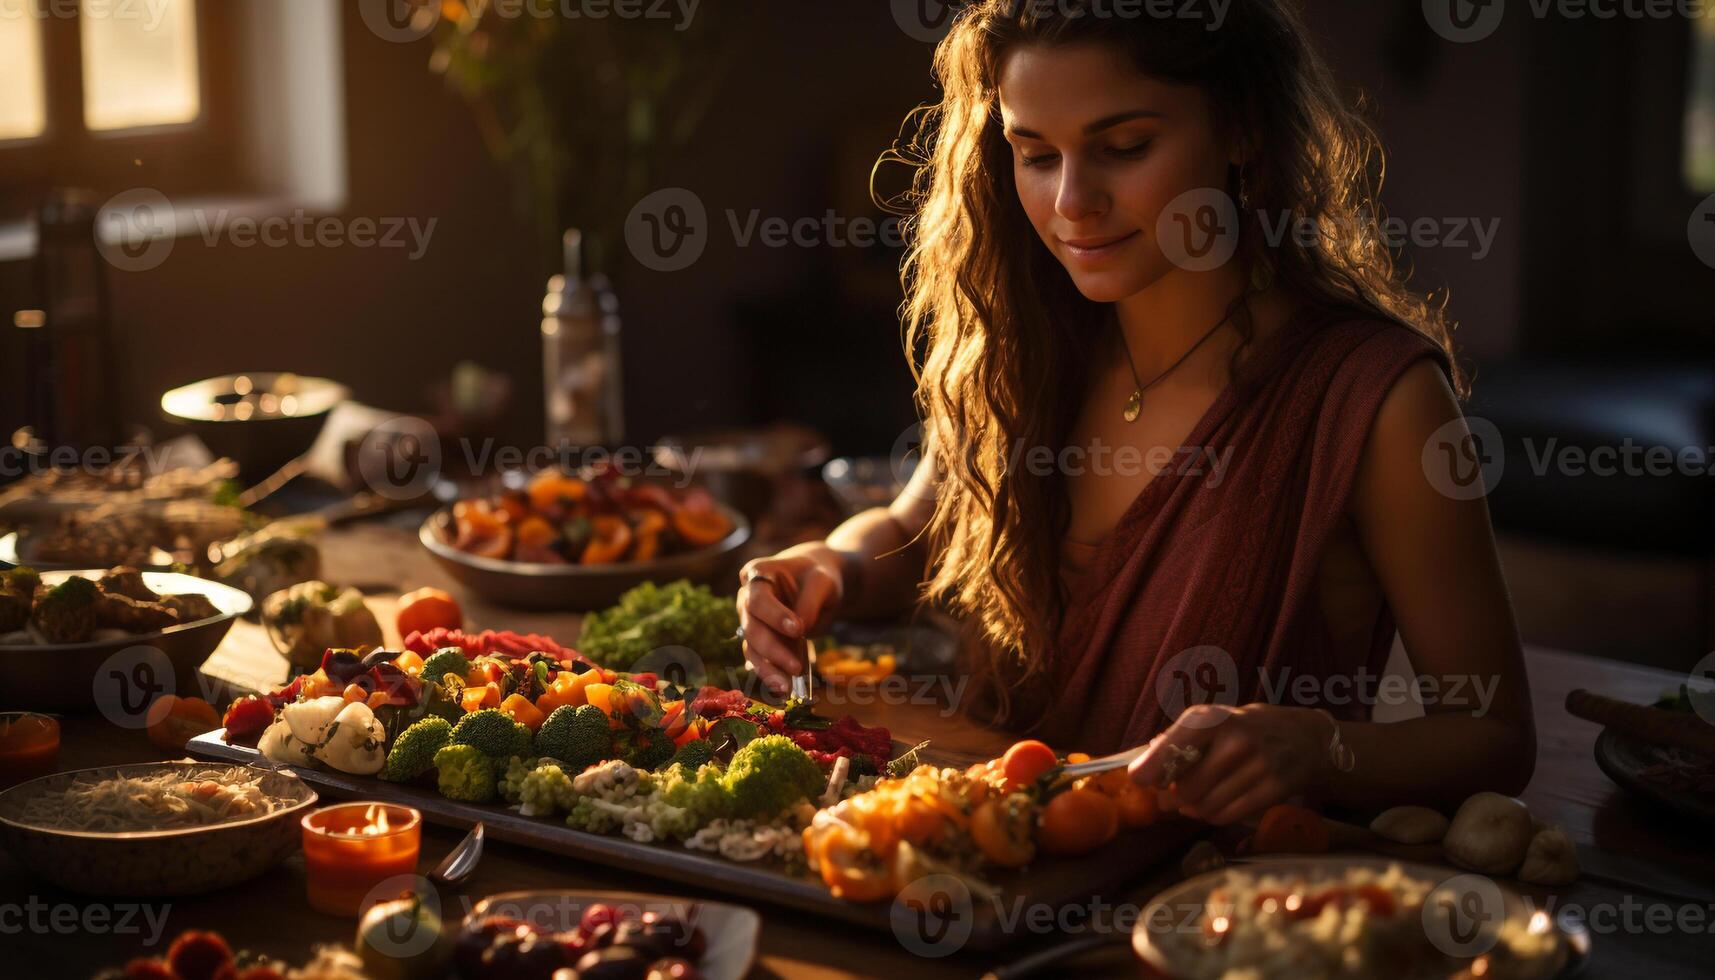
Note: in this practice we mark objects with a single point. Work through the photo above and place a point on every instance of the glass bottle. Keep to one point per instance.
(580, 356)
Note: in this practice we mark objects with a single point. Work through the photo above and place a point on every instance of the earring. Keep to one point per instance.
(1244, 187)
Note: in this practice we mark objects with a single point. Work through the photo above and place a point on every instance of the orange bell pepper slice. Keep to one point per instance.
(701, 526)
(479, 697)
(521, 710)
(551, 490)
(610, 538)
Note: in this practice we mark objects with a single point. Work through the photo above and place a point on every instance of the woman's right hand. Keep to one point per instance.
(782, 600)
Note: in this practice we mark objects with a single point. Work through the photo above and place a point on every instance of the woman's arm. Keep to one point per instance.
(1435, 559)
(869, 566)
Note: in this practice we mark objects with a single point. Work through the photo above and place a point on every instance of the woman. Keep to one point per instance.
(1238, 593)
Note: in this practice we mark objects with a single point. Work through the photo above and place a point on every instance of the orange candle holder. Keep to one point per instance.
(29, 747)
(353, 847)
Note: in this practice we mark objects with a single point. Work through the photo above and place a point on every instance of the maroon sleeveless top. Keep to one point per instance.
(1208, 582)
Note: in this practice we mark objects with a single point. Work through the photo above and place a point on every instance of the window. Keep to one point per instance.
(1700, 107)
(109, 95)
(140, 70)
(239, 103)
(23, 107)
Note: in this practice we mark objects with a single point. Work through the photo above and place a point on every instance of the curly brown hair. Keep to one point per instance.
(999, 337)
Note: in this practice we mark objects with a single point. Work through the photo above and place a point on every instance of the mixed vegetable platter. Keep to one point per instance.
(521, 721)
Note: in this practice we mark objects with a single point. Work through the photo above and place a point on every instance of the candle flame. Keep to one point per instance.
(376, 817)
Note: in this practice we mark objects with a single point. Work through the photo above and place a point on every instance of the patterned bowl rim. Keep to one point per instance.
(21, 791)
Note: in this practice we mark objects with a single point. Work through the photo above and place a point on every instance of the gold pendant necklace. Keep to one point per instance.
(1134, 404)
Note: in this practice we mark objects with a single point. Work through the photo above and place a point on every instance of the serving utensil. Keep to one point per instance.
(804, 685)
(1107, 763)
(461, 860)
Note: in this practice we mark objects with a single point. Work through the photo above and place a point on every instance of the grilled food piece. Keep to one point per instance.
(17, 597)
(190, 607)
(128, 582)
(115, 611)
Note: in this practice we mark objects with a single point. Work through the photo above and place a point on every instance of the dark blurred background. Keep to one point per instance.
(1591, 319)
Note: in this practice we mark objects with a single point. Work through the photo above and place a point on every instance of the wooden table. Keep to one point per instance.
(1642, 865)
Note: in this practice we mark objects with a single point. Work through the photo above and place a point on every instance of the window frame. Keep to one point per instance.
(176, 159)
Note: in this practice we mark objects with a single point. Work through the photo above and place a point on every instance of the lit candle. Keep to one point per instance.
(351, 848)
(29, 747)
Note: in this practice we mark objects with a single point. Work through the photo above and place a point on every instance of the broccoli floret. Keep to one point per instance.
(522, 740)
(450, 660)
(413, 752)
(65, 613)
(770, 774)
(491, 730)
(579, 737)
(545, 788)
(694, 754)
(22, 579)
(646, 750)
(700, 792)
(512, 780)
(465, 773)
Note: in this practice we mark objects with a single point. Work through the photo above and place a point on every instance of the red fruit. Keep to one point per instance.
(247, 717)
(598, 913)
(198, 955)
(150, 968)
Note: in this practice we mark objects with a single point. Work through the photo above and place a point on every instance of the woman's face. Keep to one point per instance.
(1098, 152)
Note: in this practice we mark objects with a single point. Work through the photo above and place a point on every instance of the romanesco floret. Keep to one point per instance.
(699, 792)
(449, 660)
(413, 752)
(491, 730)
(512, 780)
(465, 773)
(546, 788)
(579, 737)
(769, 774)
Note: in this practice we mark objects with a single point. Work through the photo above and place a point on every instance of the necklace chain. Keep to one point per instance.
(1134, 405)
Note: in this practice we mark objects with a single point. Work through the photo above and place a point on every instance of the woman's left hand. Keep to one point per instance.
(1252, 757)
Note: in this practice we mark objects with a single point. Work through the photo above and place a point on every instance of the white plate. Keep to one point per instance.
(731, 930)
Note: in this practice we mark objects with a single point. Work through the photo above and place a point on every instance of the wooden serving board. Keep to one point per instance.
(1053, 884)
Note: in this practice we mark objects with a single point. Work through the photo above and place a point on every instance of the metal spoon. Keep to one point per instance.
(461, 860)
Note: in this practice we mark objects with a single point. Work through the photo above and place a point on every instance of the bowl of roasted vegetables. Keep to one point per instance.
(563, 541)
(57, 629)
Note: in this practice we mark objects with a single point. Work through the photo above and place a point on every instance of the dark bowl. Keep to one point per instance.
(261, 420)
(62, 677)
(577, 588)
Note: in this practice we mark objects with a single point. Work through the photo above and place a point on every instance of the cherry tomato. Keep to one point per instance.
(1077, 822)
(1001, 830)
(1025, 761)
(425, 609)
(1138, 805)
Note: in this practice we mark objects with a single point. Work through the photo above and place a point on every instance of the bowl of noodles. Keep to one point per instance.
(155, 829)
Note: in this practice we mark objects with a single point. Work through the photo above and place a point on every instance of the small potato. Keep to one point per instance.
(1552, 859)
(1490, 834)
(1410, 825)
